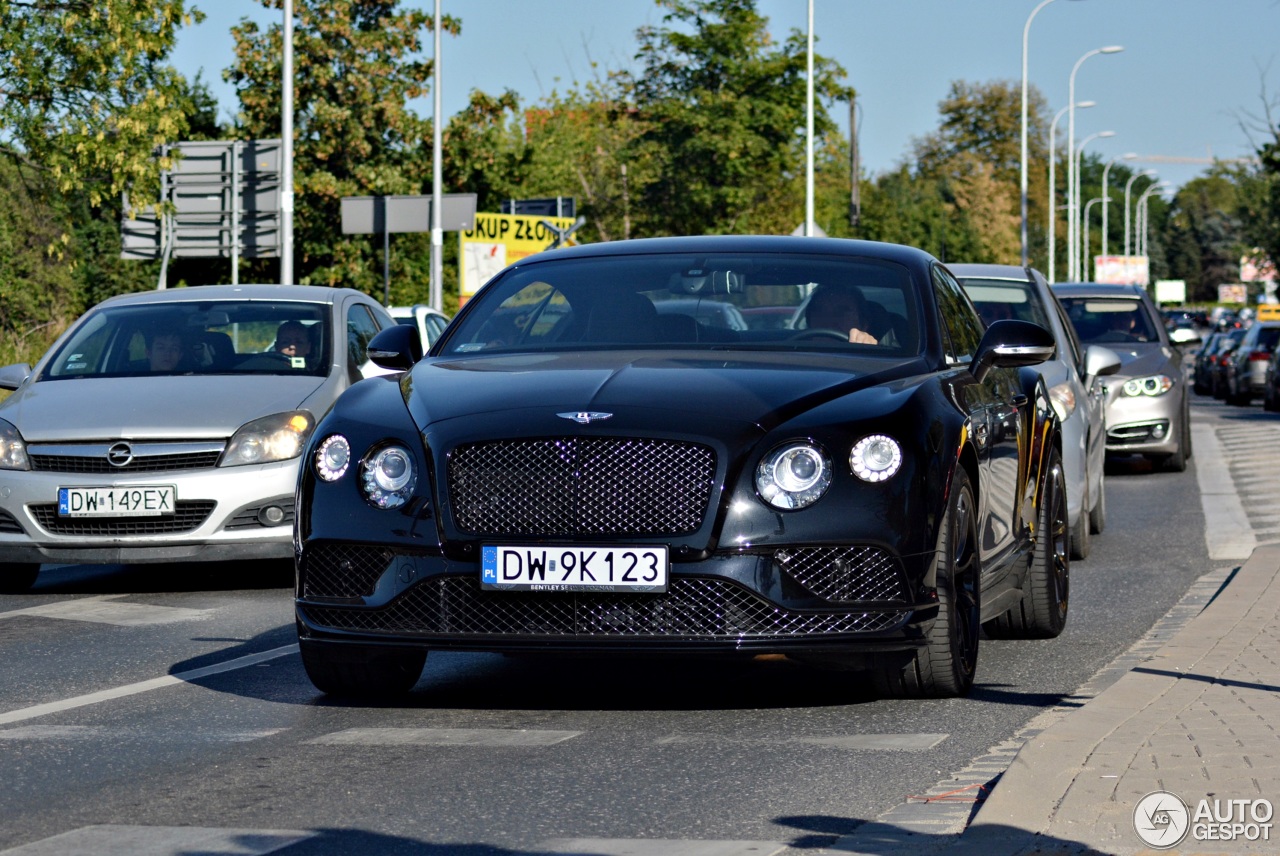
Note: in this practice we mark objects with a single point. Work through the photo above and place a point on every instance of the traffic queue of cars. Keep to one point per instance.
(1241, 363)
(844, 452)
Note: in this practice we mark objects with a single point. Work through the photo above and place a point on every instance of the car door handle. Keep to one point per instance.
(1020, 400)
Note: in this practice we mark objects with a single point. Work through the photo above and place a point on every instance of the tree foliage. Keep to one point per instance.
(357, 64)
(86, 94)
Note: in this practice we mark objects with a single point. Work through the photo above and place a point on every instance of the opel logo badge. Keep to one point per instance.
(585, 417)
(120, 455)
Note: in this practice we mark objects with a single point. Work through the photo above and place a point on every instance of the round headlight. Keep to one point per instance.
(875, 458)
(1153, 385)
(388, 478)
(333, 457)
(793, 476)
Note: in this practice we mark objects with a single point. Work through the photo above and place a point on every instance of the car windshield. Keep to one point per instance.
(997, 299)
(1109, 319)
(196, 338)
(664, 301)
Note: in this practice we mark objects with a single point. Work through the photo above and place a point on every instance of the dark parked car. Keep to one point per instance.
(1246, 367)
(1147, 402)
(611, 478)
(1231, 340)
(1202, 364)
(1075, 384)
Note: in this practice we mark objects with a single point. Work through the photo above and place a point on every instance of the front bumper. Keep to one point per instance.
(732, 601)
(1142, 424)
(219, 516)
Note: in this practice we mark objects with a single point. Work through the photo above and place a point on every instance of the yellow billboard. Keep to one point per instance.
(497, 240)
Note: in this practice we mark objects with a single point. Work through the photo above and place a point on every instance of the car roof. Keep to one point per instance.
(1098, 289)
(736, 244)
(252, 291)
(967, 270)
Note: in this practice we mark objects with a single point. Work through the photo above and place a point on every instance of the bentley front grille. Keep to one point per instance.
(581, 486)
(693, 608)
(342, 570)
(186, 517)
(845, 574)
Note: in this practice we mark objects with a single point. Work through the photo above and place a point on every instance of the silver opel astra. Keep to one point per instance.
(166, 426)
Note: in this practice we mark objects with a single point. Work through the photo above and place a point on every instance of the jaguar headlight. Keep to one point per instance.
(875, 458)
(13, 451)
(387, 478)
(793, 476)
(1153, 385)
(332, 458)
(1063, 399)
(272, 438)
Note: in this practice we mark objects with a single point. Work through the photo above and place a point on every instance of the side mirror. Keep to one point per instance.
(11, 377)
(1010, 343)
(396, 348)
(1100, 361)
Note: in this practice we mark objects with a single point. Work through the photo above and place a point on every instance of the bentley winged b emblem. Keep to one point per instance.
(585, 417)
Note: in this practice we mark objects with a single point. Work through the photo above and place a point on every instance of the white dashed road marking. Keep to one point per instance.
(104, 610)
(161, 841)
(444, 737)
(143, 686)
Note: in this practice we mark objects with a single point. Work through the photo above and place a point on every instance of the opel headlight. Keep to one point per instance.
(875, 458)
(793, 476)
(1153, 385)
(271, 438)
(1063, 398)
(388, 477)
(13, 451)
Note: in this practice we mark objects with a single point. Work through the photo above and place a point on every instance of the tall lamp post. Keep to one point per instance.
(1140, 230)
(808, 137)
(286, 142)
(1026, 29)
(1106, 196)
(1053, 192)
(1127, 185)
(1084, 261)
(1072, 203)
(1073, 253)
(436, 285)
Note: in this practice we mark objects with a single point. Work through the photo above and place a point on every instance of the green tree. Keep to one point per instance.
(357, 64)
(1202, 235)
(86, 94)
(724, 113)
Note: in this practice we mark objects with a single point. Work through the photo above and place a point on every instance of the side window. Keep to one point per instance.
(960, 321)
(1073, 341)
(361, 328)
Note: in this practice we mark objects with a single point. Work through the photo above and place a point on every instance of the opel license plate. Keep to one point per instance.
(135, 501)
(515, 568)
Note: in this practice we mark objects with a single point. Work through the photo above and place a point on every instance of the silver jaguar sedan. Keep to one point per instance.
(166, 426)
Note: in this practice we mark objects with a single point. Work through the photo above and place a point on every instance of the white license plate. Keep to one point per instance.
(514, 568)
(136, 501)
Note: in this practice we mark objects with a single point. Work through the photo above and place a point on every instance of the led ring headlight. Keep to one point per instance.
(875, 458)
(793, 476)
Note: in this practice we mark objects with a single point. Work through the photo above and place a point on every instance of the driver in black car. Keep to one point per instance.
(843, 309)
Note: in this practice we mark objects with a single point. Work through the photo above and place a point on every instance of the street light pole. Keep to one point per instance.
(1074, 252)
(1127, 185)
(1072, 202)
(437, 178)
(1026, 29)
(286, 155)
(1053, 191)
(1084, 272)
(809, 231)
(1141, 232)
(1107, 196)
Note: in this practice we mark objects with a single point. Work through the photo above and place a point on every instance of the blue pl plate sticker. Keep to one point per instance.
(489, 565)
(64, 505)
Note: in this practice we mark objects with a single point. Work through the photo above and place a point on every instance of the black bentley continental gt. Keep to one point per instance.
(576, 467)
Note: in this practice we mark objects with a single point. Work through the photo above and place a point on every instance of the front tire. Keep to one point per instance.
(945, 665)
(375, 673)
(18, 577)
(1042, 612)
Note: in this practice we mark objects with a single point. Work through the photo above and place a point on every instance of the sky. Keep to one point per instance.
(1190, 84)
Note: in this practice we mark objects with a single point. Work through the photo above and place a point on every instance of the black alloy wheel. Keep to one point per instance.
(17, 577)
(1046, 592)
(944, 667)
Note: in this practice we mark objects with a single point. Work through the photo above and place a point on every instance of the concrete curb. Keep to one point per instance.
(1030, 798)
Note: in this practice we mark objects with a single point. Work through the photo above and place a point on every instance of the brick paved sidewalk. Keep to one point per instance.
(1200, 719)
